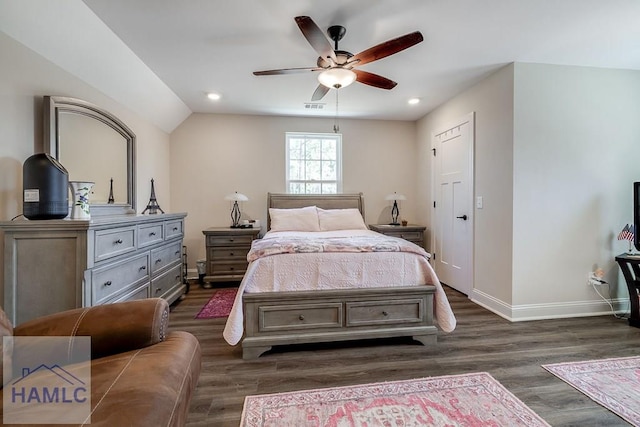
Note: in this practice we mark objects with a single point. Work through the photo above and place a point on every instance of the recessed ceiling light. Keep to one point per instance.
(213, 96)
(414, 101)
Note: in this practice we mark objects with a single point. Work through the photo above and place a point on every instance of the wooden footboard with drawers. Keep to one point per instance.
(281, 318)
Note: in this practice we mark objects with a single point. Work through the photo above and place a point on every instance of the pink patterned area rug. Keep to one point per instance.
(613, 383)
(219, 305)
(458, 400)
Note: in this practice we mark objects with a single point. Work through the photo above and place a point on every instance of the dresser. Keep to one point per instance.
(56, 265)
(227, 250)
(413, 233)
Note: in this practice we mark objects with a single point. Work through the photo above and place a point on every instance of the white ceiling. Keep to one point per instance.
(198, 46)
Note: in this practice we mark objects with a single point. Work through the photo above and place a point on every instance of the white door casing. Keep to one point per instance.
(453, 208)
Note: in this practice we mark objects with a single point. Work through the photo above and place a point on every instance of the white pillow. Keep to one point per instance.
(298, 219)
(341, 219)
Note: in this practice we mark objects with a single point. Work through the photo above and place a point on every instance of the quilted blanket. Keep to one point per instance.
(335, 260)
(266, 247)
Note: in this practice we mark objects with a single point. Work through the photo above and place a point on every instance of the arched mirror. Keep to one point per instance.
(93, 145)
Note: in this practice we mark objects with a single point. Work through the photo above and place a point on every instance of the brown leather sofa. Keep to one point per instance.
(141, 374)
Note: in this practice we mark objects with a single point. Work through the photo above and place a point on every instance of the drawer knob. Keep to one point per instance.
(144, 267)
(158, 290)
(118, 242)
(384, 313)
(158, 261)
(107, 283)
(153, 233)
(175, 228)
(301, 317)
(230, 268)
(176, 253)
(230, 253)
(231, 240)
(177, 276)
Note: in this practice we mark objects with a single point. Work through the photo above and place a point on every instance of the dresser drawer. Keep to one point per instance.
(166, 281)
(149, 234)
(108, 281)
(163, 256)
(217, 268)
(173, 229)
(230, 240)
(227, 253)
(380, 312)
(138, 293)
(113, 242)
(300, 316)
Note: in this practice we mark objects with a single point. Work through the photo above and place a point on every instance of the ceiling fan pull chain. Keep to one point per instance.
(336, 124)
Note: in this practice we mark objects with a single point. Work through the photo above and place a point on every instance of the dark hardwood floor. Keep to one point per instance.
(482, 342)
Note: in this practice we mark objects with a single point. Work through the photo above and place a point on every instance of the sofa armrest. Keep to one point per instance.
(113, 328)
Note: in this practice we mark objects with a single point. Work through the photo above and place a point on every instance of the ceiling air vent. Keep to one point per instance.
(314, 105)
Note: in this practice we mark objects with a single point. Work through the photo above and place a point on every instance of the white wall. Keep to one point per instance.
(213, 155)
(576, 151)
(25, 77)
(556, 155)
(492, 102)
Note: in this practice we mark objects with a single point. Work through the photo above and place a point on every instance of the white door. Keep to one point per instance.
(453, 206)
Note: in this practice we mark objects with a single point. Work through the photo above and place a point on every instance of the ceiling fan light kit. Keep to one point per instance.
(337, 77)
(338, 67)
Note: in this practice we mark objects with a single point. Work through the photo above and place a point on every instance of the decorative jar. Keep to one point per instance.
(80, 191)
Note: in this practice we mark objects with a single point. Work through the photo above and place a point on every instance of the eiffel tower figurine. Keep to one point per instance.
(111, 199)
(153, 207)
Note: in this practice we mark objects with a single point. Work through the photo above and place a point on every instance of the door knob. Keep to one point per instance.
(463, 217)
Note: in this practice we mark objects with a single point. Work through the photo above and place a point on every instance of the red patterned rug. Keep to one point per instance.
(219, 305)
(613, 383)
(457, 400)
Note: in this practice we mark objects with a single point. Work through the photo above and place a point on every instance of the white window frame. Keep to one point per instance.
(337, 137)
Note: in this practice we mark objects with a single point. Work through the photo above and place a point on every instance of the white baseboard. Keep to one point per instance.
(519, 313)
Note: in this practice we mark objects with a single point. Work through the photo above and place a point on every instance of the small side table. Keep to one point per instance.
(630, 266)
(227, 250)
(413, 233)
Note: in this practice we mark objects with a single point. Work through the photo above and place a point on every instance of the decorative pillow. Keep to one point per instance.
(341, 219)
(298, 219)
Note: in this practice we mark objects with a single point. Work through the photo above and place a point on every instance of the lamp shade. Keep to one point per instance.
(395, 196)
(336, 77)
(238, 197)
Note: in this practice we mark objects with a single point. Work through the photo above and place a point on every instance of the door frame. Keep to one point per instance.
(438, 129)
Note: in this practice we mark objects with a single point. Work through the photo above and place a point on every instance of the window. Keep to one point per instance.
(314, 164)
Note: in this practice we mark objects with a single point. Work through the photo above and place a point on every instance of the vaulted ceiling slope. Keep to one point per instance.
(190, 48)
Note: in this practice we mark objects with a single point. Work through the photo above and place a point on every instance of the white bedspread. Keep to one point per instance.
(276, 273)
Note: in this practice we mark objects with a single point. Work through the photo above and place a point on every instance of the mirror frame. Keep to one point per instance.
(53, 106)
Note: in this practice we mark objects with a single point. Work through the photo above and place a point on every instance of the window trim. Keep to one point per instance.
(314, 135)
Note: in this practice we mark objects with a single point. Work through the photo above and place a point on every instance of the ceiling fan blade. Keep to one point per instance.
(387, 48)
(286, 71)
(315, 37)
(319, 93)
(374, 80)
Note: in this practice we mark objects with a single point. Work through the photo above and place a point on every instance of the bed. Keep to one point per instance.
(299, 289)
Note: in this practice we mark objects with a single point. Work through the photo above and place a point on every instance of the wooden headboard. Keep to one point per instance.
(324, 201)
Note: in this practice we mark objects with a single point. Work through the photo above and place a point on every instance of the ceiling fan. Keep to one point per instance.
(338, 67)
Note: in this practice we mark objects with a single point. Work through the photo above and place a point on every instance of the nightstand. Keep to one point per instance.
(227, 250)
(413, 233)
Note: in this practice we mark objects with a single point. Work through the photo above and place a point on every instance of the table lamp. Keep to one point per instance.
(395, 211)
(235, 210)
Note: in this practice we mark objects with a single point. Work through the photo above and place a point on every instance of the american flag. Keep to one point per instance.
(627, 232)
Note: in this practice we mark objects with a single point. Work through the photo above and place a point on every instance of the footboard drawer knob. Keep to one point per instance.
(301, 317)
(384, 313)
